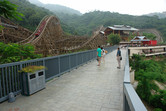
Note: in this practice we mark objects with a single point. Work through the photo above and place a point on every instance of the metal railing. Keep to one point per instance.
(10, 80)
(131, 101)
(10, 77)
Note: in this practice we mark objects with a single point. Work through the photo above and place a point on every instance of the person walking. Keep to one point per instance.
(99, 51)
(118, 55)
(103, 53)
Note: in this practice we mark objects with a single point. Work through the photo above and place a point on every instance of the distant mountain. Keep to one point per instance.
(56, 8)
(160, 15)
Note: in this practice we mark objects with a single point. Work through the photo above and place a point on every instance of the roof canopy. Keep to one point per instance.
(139, 38)
(122, 27)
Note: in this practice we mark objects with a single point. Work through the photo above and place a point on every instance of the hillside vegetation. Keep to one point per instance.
(147, 72)
(86, 23)
(32, 13)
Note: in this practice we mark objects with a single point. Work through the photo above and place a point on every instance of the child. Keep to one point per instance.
(103, 53)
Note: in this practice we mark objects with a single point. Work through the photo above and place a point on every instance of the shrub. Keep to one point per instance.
(114, 39)
(15, 52)
(158, 100)
(158, 109)
(146, 72)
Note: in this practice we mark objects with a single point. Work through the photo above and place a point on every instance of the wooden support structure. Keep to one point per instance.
(49, 39)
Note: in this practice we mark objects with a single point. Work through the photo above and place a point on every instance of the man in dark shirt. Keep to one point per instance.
(118, 55)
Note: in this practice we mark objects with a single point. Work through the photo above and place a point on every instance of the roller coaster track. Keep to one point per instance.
(155, 32)
(38, 30)
(49, 39)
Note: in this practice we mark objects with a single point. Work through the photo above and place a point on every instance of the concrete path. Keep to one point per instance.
(88, 88)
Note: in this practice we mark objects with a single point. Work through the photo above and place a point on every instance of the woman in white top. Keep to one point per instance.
(103, 53)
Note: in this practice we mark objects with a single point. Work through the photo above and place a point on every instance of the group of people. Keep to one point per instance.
(101, 55)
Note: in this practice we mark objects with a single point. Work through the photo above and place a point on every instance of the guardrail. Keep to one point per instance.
(10, 80)
(131, 101)
(10, 77)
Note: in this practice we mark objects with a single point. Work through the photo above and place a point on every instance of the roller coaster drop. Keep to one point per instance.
(48, 38)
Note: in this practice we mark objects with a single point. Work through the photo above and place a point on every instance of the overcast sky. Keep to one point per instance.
(132, 7)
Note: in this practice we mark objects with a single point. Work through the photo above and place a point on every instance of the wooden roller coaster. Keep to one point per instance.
(48, 38)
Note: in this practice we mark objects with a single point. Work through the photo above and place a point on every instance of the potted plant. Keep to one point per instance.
(32, 79)
(32, 69)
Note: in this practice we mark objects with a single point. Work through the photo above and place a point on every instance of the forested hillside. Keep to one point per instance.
(86, 23)
(89, 21)
(32, 14)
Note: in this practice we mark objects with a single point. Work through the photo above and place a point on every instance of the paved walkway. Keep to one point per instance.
(88, 88)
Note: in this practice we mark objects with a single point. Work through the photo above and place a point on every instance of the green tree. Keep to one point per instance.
(131, 36)
(15, 52)
(114, 39)
(9, 10)
(135, 61)
(150, 36)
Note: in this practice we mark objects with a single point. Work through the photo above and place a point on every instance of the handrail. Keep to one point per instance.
(132, 102)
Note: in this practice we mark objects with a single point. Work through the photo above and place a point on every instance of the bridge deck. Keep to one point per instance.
(88, 88)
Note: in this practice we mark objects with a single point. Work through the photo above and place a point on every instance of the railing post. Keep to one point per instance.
(6, 80)
(82, 58)
(59, 65)
(69, 64)
(0, 88)
(76, 60)
(44, 64)
(3, 81)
